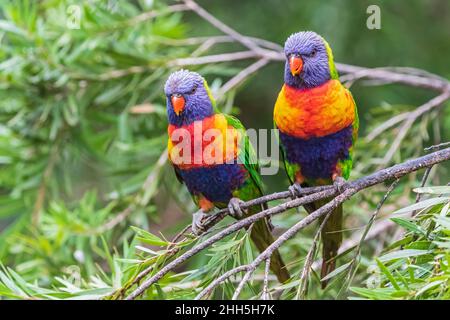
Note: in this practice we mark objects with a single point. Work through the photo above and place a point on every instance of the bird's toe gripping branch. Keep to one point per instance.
(197, 222)
(295, 190)
(235, 208)
(339, 183)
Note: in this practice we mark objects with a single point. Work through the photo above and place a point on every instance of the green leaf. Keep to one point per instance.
(408, 225)
(11, 285)
(401, 254)
(388, 274)
(442, 244)
(420, 245)
(375, 294)
(433, 190)
(337, 271)
(445, 210)
(149, 238)
(422, 205)
(10, 27)
(399, 243)
(429, 286)
(225, 246)
(443, 221)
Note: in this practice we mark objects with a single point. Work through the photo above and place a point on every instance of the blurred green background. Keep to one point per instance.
(83, 124)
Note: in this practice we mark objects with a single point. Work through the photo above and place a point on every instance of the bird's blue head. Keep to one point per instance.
(188, 98)
(309, 60)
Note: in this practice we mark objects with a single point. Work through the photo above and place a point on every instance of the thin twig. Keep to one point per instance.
(154, 13)
(228, 30)
(437, 146)
(386, 125)
(241, 76)
(353, 267)
(217, 40)
(216, 58)
(412, 116)
(304, 277)
(422, 184)
(426, 82)
(42, 191)
(180, 234)
(266, 294)
(242, 283)
(219, 280)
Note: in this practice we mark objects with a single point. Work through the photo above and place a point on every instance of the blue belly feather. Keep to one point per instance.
(216, 183)
(318, 157)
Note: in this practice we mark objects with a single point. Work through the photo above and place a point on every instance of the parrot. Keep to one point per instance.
(317, 124)
(231, 176)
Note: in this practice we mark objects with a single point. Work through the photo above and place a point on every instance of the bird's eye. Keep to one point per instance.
(193, 90)
(313, 53)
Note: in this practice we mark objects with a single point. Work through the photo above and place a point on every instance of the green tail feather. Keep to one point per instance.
(260, 233)
(331, 237)
(262, 237)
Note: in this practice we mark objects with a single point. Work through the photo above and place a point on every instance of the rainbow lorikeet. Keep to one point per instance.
(221, 171)
(317, 121)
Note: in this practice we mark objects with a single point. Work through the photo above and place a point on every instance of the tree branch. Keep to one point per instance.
(304, 277)
(228, 30)
(410, 119)
(350, 188)
(241, 76)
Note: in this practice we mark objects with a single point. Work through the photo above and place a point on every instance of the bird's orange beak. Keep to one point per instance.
(178, 103)
(296, 65)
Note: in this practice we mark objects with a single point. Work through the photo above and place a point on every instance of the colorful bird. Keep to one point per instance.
(213, 157)
(317, 121)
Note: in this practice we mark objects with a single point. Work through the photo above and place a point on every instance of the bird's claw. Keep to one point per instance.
(295, 190)
(197, 225)
(339, 184)
(234, 206)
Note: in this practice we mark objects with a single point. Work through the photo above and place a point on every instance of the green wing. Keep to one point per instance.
(260, 232)
(290, 168)
(347, 164)
(248, 155)
(356, 121)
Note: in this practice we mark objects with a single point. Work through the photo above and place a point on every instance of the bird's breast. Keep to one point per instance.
(203, 143)
(314, 112)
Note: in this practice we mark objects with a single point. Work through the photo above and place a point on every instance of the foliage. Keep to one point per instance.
(75, 143)
(87, 201)
(417, 265)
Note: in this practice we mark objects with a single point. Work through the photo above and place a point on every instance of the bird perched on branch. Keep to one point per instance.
(213, 157)
(318, 125)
